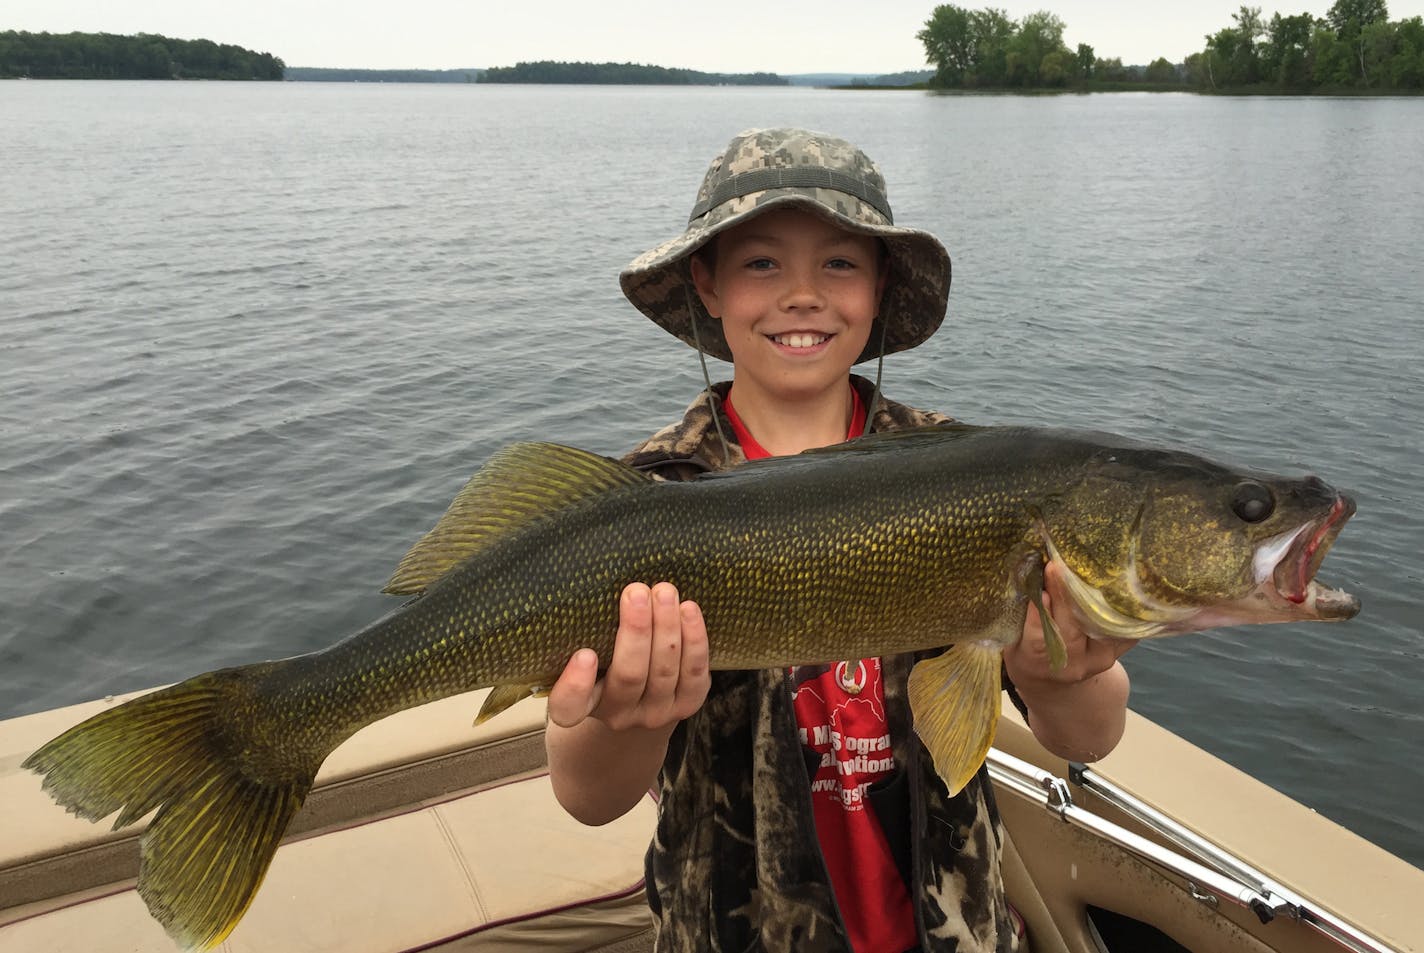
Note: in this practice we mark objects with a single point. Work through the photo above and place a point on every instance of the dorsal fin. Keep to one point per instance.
(890, 439)
(880, 442)
(520, 484)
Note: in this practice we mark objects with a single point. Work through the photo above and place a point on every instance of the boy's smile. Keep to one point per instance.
(796, 296)
(801, 341)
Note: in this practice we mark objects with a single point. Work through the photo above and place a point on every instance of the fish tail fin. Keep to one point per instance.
(955, 700)
(179, 751)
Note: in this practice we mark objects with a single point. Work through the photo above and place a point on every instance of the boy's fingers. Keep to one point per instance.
(665, 648)
(627, 673)
(576, 692)
(695, 678)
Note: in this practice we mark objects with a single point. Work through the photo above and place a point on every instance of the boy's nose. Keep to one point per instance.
(802, 293)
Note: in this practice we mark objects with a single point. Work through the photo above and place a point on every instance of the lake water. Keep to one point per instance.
(254, 337)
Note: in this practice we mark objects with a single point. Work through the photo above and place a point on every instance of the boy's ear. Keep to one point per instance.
(704, 281)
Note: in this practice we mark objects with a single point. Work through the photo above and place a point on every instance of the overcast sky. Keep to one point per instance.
(733, 36)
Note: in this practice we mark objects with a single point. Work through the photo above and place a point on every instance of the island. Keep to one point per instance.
(143, 56)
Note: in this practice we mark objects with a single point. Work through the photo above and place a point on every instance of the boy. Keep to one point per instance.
(797, 809)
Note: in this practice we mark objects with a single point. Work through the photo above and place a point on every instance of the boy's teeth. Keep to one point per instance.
(799, 340)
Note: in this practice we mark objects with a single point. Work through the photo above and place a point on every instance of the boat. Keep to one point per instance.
(425, 834)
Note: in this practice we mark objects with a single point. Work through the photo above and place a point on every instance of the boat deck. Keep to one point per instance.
(423, 833)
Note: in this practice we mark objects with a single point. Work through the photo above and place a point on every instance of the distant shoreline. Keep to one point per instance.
(26, 55)
(600, 74)
(80, 56)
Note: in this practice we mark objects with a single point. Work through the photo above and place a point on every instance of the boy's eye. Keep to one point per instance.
(760, 264)
(840, 263)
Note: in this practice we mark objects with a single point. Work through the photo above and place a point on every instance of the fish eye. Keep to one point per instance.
(1253, 502)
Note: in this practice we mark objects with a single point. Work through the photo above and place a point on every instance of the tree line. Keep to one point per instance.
(1353, 47)
(145, 56)
(549, 71)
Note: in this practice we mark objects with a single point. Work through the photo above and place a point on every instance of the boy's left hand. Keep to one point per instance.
(1079, 712)
(1027, 659)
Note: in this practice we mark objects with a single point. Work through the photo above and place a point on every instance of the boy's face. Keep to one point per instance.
(796, 296)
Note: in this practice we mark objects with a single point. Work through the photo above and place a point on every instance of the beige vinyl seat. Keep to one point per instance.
(422, 834)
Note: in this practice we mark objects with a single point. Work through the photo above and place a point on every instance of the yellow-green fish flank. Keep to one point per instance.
(900, 542)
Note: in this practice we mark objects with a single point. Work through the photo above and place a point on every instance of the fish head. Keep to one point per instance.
(1159, 543)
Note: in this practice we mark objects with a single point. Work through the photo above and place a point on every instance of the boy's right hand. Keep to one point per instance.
(659, 673)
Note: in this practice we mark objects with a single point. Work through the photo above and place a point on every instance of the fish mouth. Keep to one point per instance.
(1288, 564)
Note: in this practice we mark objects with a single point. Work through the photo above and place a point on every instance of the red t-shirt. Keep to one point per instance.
(840, 710)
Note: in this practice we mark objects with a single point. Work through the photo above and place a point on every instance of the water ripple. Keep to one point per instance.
(256, 338)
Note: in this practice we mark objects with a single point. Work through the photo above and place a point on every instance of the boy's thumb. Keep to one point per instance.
(577, 692)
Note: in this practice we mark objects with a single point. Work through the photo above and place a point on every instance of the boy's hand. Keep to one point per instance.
(1027, 659)
(1080, 712)
(659, 673)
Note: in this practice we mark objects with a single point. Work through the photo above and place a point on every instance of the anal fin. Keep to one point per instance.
(955, 701)
(503, 696)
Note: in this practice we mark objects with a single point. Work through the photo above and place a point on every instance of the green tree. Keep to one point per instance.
(1379, 45)
(950, 44)
(1194, 70)
(1286, 54)
(1349, 16)
(151, 60)
(1245, 61)
(1085, 62)
(1231, 58)
(1407, 67)
(1161, 71)
(993, 32)
(1110, 70)
(1056, 68)
(1039, 35)
(1331, 63)
(968, 47)
(1220, 56)
(1352, 20)
(1249, 22)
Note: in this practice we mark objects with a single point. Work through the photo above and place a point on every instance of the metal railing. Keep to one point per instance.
(1211, 872)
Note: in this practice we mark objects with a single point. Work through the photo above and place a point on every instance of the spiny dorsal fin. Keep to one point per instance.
(520, 484)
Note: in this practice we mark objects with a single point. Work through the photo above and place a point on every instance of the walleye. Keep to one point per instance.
(897, 542)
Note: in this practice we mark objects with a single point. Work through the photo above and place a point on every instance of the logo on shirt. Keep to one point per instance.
(841, 715)
(852, 679)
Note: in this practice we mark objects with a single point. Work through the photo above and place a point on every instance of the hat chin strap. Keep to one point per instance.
(706, 377)
(879, 372)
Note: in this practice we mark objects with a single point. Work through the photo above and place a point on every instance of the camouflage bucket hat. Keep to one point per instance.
(764, 169)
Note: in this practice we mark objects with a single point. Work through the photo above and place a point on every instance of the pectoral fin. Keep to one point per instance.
(503, 696)
(955, 701)
(1052, 639)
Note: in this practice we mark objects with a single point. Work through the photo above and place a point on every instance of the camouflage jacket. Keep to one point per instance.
(735, 864)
